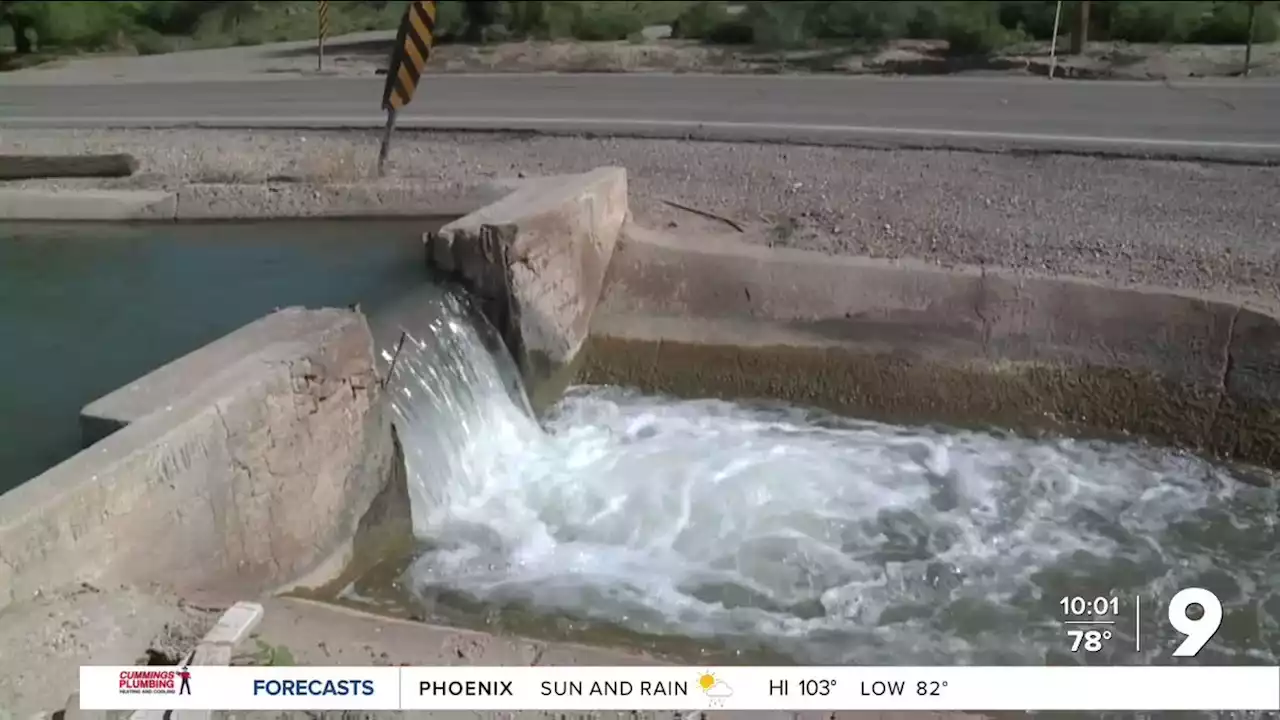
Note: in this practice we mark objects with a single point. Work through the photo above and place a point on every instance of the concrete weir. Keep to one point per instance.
(256, 462)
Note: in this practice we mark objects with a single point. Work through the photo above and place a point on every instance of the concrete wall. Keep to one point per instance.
(536, 260)
(237, 468)
(910, 342)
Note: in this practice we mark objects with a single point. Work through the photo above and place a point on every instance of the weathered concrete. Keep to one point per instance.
(536, 260)
(911, 342)
(244, 477)
(160, 389)
(87, 205)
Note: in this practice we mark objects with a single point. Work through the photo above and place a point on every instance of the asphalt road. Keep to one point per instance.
(1230, 118)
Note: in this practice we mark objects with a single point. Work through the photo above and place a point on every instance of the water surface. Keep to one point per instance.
(86, 308)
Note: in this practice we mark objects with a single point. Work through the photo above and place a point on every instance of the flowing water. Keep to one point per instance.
(755, 531)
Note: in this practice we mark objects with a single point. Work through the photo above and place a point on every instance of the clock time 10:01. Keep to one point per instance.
(1076, 606)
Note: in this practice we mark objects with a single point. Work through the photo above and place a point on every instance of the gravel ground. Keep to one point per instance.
(1197, 226)
(44, 640)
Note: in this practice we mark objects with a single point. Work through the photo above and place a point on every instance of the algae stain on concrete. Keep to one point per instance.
(1031, 397)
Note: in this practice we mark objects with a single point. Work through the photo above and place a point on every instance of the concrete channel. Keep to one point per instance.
(265, 460)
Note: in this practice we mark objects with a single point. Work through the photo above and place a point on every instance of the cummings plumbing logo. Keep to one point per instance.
(148, 681)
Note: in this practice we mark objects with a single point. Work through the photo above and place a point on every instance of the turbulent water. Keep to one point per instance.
(813, 537)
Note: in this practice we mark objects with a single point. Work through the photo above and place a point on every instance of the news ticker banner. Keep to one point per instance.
(680, 688)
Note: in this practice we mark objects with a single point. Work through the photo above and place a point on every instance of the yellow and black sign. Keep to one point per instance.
(322, 15)
(412, 49)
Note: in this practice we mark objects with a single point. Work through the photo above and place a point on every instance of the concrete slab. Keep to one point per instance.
(235, 625)
(87, 205)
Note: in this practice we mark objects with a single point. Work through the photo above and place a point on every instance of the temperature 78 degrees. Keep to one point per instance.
(1090, 620)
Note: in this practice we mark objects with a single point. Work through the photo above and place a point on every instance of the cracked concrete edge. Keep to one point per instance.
(537, 260)
(254, 201)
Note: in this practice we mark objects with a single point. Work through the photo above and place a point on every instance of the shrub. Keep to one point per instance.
(450, 20)
(699, 19)
(870, 20)
(149, 42)
(778, 24)
(1154, 21)
(712, 22)
(1034, 16)
(973, 28)
(527, 19)
(925, 22)
(735, 31)
(605, 21)
(80, 25)
(1228, 23)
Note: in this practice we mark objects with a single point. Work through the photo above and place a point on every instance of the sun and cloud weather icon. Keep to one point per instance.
(715, 689)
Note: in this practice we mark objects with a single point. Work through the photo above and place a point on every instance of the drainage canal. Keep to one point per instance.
(87, 308)
(724, 532)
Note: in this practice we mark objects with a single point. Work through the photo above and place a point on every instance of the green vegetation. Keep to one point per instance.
(970, 26)
(156, 26)
(974, 26)
(268, 655)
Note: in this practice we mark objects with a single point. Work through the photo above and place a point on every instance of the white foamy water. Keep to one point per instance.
(825, 539)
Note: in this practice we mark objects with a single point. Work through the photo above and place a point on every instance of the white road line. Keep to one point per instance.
(519, 123)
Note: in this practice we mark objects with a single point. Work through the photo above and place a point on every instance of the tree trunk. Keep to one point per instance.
(19, 25)
(1080, 38)
(480, 15)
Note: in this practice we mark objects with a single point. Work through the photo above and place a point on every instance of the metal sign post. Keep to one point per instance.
(410, 54)
(1248, 41)
(1053, 44)
(322, 19)
(386, 141)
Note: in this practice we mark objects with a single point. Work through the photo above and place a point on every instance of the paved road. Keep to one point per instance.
(1225, 117)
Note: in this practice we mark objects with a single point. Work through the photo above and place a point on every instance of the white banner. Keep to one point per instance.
(676, 688)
